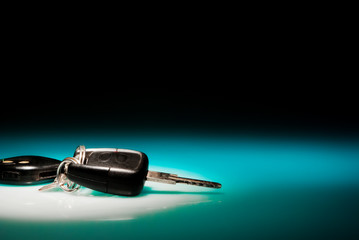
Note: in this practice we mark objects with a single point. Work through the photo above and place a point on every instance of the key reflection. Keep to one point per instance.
(26, 203)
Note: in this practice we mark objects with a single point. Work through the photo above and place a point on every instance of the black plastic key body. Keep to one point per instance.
(114, 171)
(26, 170)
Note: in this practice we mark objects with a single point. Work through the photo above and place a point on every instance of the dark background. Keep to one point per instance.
(234, 108)
(260, 75)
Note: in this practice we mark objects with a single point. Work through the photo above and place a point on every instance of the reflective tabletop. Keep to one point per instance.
(272, 187)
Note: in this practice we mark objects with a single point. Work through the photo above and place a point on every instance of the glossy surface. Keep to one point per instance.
(272, 187)
(26, 170)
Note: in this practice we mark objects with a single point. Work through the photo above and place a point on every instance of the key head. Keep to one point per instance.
(115, 171)
(25, 170)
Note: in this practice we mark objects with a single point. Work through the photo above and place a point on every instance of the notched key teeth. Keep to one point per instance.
(173, 179)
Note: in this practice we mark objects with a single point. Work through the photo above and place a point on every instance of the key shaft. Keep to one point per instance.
(174, 178)
(49, 186)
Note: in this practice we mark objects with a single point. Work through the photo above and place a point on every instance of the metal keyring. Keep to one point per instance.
(81, 153)
(65, 184)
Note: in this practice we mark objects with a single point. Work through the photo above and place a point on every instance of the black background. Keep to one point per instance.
(233, 108)
(256, 76)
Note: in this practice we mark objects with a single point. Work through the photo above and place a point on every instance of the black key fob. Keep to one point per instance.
(120, 171)
(26, 170)
(111, 170)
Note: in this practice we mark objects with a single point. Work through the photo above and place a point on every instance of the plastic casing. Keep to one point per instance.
(25, 170)
(114, 171)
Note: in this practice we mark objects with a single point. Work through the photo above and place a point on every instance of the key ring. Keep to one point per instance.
(81, 153)
(61, 179)
(65, 184)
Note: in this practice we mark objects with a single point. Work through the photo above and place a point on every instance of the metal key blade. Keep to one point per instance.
(55, 183)
(52, 185)
(173, 179)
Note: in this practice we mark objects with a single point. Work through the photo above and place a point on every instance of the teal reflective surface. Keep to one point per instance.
(277, 188)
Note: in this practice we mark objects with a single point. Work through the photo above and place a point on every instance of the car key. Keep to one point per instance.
(26, 170)
(121, 172)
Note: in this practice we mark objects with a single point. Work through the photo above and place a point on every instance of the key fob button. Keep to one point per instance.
(24, 162)
(120, 158)
(100, 158)
(8, 162)
(105, 156)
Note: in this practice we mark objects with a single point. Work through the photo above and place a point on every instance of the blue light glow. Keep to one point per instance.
(271, 184)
